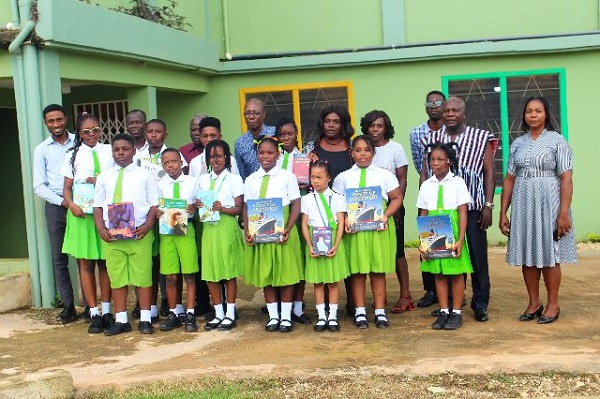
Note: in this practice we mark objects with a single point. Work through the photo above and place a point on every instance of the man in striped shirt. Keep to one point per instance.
(476, 149)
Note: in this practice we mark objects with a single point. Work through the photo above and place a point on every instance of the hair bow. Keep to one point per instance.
(256, 141)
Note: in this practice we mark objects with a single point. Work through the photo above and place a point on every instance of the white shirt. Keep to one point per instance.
(290, 159)
(48, 159)
(84, 162)
(187, 187)
(455, 193)
(312, 205)
(375, 177)
(139, 187)
(282, 184)
(143, 159)
(198, 165)
(228, 186)
(390, 157)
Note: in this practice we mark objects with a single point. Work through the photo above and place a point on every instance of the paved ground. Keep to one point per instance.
(408, 347)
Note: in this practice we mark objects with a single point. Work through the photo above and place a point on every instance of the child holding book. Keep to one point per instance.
(372, 252)
(278, 264)
(445, 193)
(178, 254)
(128, 261)
(222, 240)
(323, 211)
(286, 132)
(87, 158)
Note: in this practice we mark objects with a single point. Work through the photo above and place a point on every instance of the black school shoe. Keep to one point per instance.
(302, 319)
(360, 321)
(145, 327)
(86, 314)
(108, 320)
(454, 322)
(481, 315)
(381, 321)
(164, 308)
(427, 300)
(117, 328)
(67, 315)
(189, 325)
(96, 325)
(440, 322)
(171, 323)
(135, 313)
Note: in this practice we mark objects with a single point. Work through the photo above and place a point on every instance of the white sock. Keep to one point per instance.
(219, 313)
(190, 310)
(145, 315)
(179, 308)
(105, 307)
(298, 308)
(174, 310)
(121, 317)
(445, 311)
(94, 311)
(153, 310)
(321, 311)
(360, 311)
(457, 311)
(379, 312)
(333, 308)
(273, 311)
(286, 310)
(230, 311)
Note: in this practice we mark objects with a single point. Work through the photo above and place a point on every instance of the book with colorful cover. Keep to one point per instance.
(121, 221)
(436, 236)
(206, 212)
(321, 240)
(365, 208)
(174, 218)
(153, 165)
(265, 220)
(83, 196)
(301, 168)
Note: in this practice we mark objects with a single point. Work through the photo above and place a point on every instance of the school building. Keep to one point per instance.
(297, 56)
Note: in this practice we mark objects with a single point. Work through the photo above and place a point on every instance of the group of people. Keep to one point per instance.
(456, 169)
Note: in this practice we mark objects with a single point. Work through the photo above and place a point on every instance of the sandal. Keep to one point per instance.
(213, 324)
(401, 309)
(381, 321)
(360, 321)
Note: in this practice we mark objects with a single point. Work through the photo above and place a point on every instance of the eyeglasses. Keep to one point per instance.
(87, 132)
(253, 113)
(437, 103)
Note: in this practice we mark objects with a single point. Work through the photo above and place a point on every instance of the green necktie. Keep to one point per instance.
(440, 201)
(363, 177)
(118, 194)
(286, 157)
(96, 163)
(176, 190)
(154, 157)
(212, 184)
(263, 186)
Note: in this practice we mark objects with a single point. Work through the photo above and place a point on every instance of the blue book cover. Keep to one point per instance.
(121, 221)
(265, 220)
(321, 240)
(174, 218)
(83, 196)
(206, 212)
(365, 208)
(436, 236)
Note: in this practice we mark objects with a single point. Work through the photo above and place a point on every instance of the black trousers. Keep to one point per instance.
(480, 279)
(56, 220)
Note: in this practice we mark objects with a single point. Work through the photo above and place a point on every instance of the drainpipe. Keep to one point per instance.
(226, 30)
(27, 95)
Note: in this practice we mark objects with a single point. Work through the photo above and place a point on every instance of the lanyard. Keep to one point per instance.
(332, 223)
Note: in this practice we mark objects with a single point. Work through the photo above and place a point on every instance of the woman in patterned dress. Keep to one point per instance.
(539, 186)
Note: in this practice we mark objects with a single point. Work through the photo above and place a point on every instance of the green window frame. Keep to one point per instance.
(503, 80)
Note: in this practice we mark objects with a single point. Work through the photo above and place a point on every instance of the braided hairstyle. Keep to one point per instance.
(450, 149)
(84, 116)
(226, 151)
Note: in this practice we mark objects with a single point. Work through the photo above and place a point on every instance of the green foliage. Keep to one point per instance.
(412, 244)
(164, 15)
(593, 237)
(57, 302)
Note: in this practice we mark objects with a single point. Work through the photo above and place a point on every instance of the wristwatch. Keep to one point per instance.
(489, 205)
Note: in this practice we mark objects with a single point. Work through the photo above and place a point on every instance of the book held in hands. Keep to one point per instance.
(365, 208)
(83, 196)
(301, 168)
(321, 240)
(436, 236)
(206, 212)
(265, 220)
(121, 221)
(174, 218)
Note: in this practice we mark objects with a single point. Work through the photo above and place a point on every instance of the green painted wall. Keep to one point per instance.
(177, 109)
(400, 89)
(5, 12)
(5, 65)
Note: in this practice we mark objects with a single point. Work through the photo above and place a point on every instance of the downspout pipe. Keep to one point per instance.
(15, 45)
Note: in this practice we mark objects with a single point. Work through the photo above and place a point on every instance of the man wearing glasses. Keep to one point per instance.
(195, 148)
(48, 184)
(246, 145)
(434, 107)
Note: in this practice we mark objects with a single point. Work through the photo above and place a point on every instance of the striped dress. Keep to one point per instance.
(537, 165)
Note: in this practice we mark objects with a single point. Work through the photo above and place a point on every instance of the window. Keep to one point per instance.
(495, 102)
(301, 102)
(111, 115)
